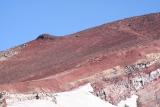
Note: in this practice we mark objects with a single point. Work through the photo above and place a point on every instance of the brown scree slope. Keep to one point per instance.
(99, 55)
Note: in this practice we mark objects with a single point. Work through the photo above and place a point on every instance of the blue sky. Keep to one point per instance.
(24, 20)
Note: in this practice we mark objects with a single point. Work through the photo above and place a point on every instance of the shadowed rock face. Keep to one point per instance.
(119, 59)
(46, 36)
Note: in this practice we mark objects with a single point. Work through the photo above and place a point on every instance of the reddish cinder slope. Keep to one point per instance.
(61, 63)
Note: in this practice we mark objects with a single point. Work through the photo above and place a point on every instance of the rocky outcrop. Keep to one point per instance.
(6, 54)
(2, 100)
(46, 36)
(136, 77)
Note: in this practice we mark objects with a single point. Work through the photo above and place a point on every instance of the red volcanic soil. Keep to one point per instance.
(59, 63)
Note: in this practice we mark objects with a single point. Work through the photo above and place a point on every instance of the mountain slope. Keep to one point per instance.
(110, 55)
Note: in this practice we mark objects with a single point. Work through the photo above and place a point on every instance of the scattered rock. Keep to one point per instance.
(136, 67)
(2, 100)
(139, 81)
(4, 55)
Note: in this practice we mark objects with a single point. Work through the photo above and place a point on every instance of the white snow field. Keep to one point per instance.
(81, 97)
(34, 103)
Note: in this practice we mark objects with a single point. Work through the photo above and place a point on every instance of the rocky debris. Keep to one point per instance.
(139, 81)
(136, 67)
(143, 63)
(116, 84)
(15, 97)
(2, 100)
(102, 94)
(6, 54)
(46, 36)
(118, 89)
(114, 93)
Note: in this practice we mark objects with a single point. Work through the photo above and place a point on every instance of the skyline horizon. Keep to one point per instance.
(23, 21)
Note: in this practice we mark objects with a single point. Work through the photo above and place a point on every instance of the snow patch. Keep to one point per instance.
(129, 102)
(81, 97)
(34, 103)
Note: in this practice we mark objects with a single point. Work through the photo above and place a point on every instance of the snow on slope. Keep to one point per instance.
(129, 102)
(34, 103)
(81, 97)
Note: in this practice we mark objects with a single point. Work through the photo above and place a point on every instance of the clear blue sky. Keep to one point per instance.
(24, 20)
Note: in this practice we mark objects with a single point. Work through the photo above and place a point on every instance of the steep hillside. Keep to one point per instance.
(119, 59)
